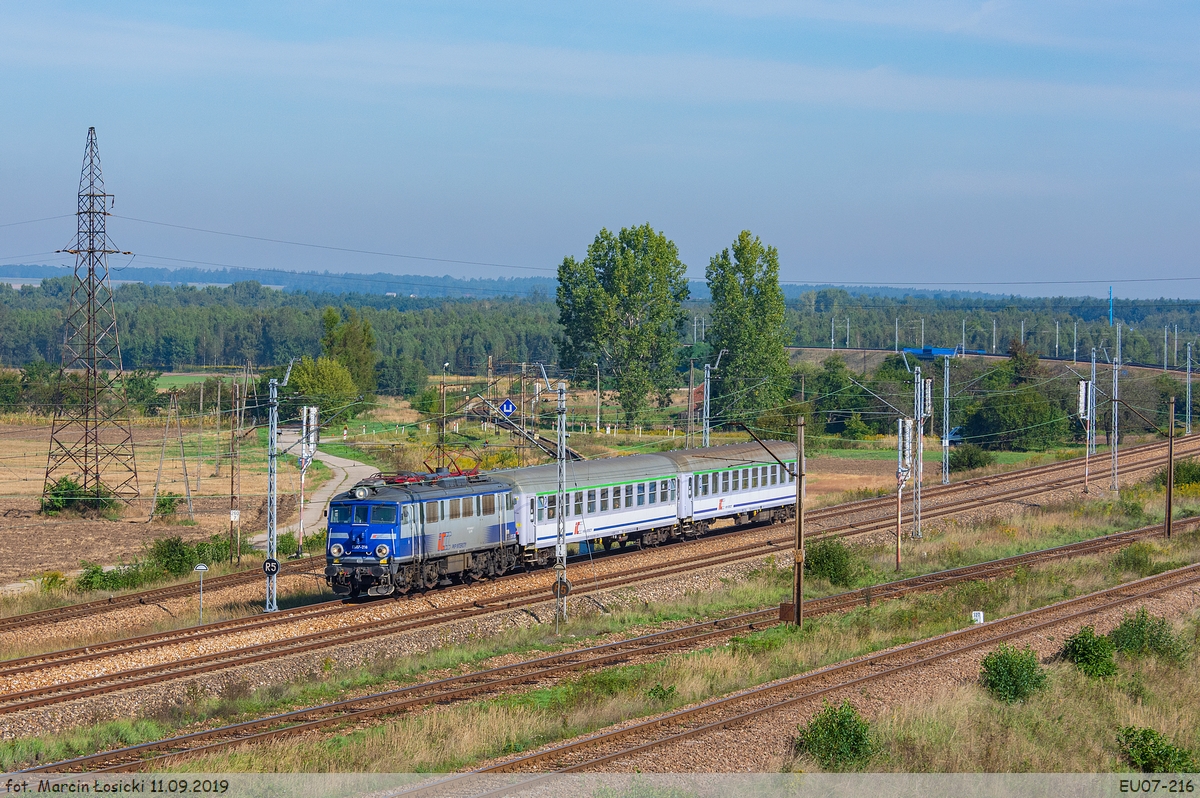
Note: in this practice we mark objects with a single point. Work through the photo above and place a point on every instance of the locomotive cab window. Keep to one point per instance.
(406, 517)
(360, 513)
(489, 504)
(383, 514)
(340, 513)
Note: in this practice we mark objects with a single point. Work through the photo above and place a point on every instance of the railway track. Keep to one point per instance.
(652, 736)
(496, 679)
(878, 512)
(232, 657)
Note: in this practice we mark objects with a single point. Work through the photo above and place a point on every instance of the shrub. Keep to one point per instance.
(968, 456)
(167, 504)
(1153, 753)
(1142, 633)
(837, 737)
(1091, 654)
(661, 694)
(123, 577)
(52, 582)
(1187, 472)
(856, 429)
(830, 559)
(1012, 675)
(67, 494)
(1137, 558)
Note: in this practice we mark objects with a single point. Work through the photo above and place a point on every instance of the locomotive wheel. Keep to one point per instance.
(430, 576)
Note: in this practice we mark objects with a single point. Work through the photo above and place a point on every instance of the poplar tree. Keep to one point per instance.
(748, 320)
(622, 307)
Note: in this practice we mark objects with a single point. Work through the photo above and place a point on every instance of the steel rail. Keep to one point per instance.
(502, 676)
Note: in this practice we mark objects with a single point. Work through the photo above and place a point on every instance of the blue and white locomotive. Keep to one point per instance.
(406, 532)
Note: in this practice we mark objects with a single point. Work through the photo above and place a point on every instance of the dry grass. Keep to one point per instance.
(459, 736)
(1068, 728)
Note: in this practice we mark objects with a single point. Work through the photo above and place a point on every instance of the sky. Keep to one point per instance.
(1002, 146)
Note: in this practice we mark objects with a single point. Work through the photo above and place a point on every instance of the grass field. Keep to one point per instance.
(463, 734)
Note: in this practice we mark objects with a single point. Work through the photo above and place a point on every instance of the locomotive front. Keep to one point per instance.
(363, 541)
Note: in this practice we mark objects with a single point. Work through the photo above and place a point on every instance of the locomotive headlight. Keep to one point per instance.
(336, 550)
(362, 493)
(381, 550)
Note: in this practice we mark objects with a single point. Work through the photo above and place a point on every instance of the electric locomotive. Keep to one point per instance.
(413, 531)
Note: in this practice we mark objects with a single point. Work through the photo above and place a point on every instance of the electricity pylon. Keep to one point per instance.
(91, 439)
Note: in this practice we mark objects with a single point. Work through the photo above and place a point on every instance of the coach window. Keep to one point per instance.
(591, 502)
(629, 495)
(579, 503)
(724, 481)
(551, 507)
(604, 500)
(763, 475)
(616, 498)
(489, 504)
(774, 474)
(653, 492)
(541, 508)
(641, 494)
(754, 477)
(704, 484)
(662, 491)
(672, 490)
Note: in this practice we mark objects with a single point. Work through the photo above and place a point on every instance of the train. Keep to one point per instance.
(393, 534)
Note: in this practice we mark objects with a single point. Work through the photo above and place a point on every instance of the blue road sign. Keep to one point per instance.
(507, 408)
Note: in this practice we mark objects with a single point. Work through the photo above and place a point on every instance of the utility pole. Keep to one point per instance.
(309, 425)
(1116, 398)
(271, 564)
(441, 455)
(903, 463)
(1170, 466)
(217, 469)
(963, 351)
(1187, 430)
(922, 410)
(562, 587)
(922, 333)
(832, 321)
(200, 441)
(691, 404)
(847, 332)
(1056, 340)
(1166, 330)
(91, 436)
(1075, 345)
(1175, 355)
(993, 335)
(1086, 402)
(707, 392)
(1091, 447)
(597, 365)
(798, 560)
(235, 535)
(896, 345)
(946, 422)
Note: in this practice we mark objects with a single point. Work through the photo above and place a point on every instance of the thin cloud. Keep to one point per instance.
(150, 52)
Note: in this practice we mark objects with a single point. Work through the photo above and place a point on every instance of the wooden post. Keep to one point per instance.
(1170, 464)
(798, 560)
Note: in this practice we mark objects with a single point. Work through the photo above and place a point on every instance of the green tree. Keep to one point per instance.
(351, 342)
(748, 320)
(325, 382)
(622, 306)
(401, 376)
